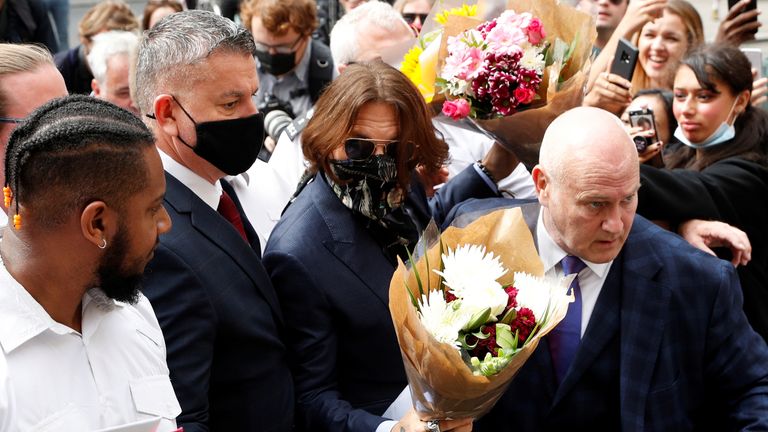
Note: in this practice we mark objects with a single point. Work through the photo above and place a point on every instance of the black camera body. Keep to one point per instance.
(272, 103)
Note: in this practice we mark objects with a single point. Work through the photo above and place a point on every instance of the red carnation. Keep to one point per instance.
(524, 324)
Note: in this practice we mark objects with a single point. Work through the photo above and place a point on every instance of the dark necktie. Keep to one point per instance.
(565, 338)
(229, 211)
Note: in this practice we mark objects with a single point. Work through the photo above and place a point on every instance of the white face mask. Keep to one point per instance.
(723, 133)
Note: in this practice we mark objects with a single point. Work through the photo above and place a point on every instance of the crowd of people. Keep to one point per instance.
(203, 213)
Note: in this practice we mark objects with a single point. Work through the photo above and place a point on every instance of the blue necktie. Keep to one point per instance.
(565, 338)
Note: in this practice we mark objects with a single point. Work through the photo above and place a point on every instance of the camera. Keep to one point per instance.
(272, 103)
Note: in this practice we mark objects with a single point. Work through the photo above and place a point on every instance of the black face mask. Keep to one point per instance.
(230, 145)
(371, 187)
(276, 64)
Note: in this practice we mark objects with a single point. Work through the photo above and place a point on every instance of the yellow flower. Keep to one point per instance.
(411, 67)
(464, 10)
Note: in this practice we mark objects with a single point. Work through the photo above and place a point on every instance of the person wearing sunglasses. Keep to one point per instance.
(414, 12)
(293, 67)
(332, 254)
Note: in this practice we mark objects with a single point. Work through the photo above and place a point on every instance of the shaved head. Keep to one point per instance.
(587, 181)
(586, 136)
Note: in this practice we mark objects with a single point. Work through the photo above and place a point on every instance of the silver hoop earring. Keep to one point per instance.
(103, 244)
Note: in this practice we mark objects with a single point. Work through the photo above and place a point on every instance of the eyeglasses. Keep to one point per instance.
(280, 49)
(10, 120)
(411, 17)
(360, 149)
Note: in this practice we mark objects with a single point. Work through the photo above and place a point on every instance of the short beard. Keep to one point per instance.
(117, 283)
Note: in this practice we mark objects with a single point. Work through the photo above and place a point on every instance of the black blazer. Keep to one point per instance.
(732, 190)
(332, 279)
(221, 321)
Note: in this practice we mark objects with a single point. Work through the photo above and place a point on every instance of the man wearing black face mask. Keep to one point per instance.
(293, 67)
(195, 77)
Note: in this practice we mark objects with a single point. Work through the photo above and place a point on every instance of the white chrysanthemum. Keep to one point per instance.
(441, 319)
(472, 277)
(533, 59)
(534, 292)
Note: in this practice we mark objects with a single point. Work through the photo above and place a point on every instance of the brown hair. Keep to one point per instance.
(694, 32)
(280, 16)
(153, 5)
(363, 83)
(18, 58)
(105, 16)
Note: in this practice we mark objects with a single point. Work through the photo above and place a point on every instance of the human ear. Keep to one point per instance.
(541, 183)
(164, 115)
(97, 223)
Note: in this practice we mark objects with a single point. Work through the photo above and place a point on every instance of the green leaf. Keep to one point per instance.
(415, 273)
(509, 316)
(466, 346)
(504, 337)
(413, 299)
(478, 319)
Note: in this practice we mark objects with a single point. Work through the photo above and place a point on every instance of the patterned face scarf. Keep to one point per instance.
(371, 189)
(373, 192)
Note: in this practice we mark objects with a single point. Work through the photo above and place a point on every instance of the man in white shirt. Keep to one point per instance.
(83, 346)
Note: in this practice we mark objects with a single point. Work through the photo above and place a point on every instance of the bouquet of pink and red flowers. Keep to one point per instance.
(494, 68)
(469, 312)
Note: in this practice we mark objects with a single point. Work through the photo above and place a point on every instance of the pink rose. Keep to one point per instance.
(456, 109)
(524, 95)
(535, 31)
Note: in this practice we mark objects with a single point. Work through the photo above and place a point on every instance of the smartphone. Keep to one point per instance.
(751, 6)
(644, 119)
(624, 60)
(755, 56)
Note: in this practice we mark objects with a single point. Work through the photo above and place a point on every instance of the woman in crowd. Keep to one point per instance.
(721, 170)
(414, 12)
(333, 253)
(155, 10)
(664, 31)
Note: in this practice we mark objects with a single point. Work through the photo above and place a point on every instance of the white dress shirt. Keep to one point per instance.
(467, 145)
(209, 192)
(7, 408)
(591, 279)
(111, 373)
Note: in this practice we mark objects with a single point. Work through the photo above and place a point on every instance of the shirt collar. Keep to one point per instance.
(209, 193)
(551, 253)
(22, 318)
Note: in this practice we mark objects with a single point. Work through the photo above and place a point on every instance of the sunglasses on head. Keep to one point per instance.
(10, 120)
(411, 17)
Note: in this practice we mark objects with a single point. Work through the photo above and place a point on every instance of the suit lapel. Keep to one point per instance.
(215, 228)
(645, 307)
(350, 242)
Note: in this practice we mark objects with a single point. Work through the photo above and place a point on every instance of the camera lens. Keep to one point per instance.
(641, 143)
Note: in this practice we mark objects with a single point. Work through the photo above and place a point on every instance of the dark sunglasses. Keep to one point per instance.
(360, 149)
(10, 120)
(411, 17)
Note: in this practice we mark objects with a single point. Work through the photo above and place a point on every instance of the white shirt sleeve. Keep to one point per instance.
(386, 426)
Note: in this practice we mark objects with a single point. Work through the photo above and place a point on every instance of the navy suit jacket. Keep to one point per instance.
(668, 347)
(332, 279)
(221, 321)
